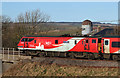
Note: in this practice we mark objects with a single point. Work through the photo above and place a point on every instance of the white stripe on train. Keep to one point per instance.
(64, 47)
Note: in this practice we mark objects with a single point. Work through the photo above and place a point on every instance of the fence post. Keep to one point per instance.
(8, 53)
(3, 53)
(13, 54)
(19, 52)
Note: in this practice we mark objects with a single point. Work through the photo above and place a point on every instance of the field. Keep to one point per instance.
(13, 32)
(38, 69)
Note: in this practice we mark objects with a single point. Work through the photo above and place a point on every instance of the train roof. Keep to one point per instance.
(79, 36)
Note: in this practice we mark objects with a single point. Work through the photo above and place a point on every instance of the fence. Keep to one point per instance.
(10, 54)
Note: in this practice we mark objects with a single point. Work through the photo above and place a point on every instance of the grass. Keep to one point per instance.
(37, 69)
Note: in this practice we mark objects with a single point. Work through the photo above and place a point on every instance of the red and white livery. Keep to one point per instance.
(104, 45)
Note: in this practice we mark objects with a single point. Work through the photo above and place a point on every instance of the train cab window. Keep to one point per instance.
(34, 41)
(82, 42)
(106, 42)
(86, 41)
(116, 44)
(93, 41)
(30, 39)
(27, 39)
(56, 41)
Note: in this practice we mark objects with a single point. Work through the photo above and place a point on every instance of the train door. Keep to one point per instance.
(25, 42)
(106, 45)
(86, 44)
(99, 44)
(93, 44)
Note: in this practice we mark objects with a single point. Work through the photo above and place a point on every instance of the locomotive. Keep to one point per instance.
(72, 46)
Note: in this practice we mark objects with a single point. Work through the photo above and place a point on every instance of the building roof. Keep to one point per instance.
(106, 32)
(87, 22)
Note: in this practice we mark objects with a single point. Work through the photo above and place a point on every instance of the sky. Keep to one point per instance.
(65, 11)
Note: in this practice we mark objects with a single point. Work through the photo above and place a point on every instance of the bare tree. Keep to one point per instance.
(117, 30)
(6, 19)
(35, 16)
(21, 18)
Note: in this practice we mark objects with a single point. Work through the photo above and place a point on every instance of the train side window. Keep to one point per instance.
(56, 41)
(106, 42)
(75, 41)
(99, 40)
(116, 44)
(93, 41)
(82, 42)
(34, 41)
(83, 28)
(65, 41)
(86, 41)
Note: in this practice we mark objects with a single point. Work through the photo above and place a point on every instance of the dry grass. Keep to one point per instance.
(37, 69)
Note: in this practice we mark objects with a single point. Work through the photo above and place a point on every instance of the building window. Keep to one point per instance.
(116, 44)
(93, 41)
(56, 41)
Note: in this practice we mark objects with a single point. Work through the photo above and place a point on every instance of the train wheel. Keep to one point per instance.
(100, 56)
(91, 56)
(71, 55)
(62, 54)
(116, 57)
(49, 54)
(27, 53)
(56, 54)
(41, 54)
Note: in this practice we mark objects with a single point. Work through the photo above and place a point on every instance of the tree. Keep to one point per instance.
(34, 17)
(6, 19)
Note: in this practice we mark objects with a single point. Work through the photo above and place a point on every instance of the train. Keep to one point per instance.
(72, 46)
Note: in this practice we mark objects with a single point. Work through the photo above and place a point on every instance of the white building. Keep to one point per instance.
(87, 27)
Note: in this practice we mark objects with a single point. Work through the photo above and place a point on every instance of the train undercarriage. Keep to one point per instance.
(84, 55)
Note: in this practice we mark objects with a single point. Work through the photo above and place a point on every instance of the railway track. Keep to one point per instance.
(70, 61)
(76, 62)
(57, 57)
